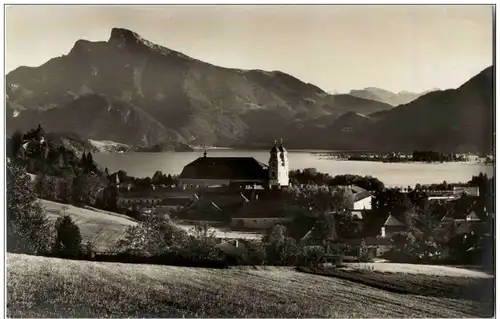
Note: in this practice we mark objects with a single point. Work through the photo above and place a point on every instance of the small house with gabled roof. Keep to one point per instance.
(391, 226)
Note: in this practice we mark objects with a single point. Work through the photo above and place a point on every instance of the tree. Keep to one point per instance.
(154, 236)
(423, 222)
(64, 190)
(255, 253)
(201, 244)
(45, 187)
(320, 199)
(324, 230)
(16, 142)
(402, 240)
(392, 201)
(369, 183)
(68, 240)
(345, 226)
(170, 180)
(28, 228)
(280, 249)
(86, 189)
(158, 178)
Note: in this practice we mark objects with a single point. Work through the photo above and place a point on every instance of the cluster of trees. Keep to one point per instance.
(159, 237)
(416, 156)
(435, 156)
(159, 178)
(29, 230)
(48, 156)
(61, 174)
(310, 176)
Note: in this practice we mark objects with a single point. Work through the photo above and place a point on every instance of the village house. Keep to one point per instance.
(361, 198)
(214, 206)
(157, 198)
(263, 213)
(391, 226)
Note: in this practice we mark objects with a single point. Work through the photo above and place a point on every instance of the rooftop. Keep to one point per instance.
(392, 221)
(358, 192)
(226, 168)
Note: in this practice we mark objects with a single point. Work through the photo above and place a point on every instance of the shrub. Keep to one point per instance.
(90, 250)
(255, 254)
(366, 254)
(68, 238)
(155, 235)
(201, 245)
(28, 228)
(312, 255)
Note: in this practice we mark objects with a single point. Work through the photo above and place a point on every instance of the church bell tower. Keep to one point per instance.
(278, 166)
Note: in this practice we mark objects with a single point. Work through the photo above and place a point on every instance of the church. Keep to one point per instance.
(240, 172)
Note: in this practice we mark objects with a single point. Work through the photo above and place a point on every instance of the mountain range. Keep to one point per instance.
(381, 95)
(135, 92)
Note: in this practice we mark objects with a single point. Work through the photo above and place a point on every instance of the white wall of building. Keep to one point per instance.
(365, 203)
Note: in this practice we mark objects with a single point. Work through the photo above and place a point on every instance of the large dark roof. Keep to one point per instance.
(463, 206)
(235, 168)
(267, 208)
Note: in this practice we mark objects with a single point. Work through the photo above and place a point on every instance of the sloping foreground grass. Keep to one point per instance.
(51, 287)
(478, 290)
(436, 270)
(102, 228)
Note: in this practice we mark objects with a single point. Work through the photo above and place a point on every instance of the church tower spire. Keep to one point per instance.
(278, 166)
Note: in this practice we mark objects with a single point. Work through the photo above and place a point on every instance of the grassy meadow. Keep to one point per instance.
(101, 227)
(477, 290)
(51, 287)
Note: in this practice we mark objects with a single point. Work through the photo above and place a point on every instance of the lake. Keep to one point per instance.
(391, 174)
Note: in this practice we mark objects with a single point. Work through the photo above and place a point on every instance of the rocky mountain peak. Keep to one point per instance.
(120, 35)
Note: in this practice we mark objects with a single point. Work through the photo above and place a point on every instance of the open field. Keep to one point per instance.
(433, 270)
(50, 287)
(106, 228)
(477, 289)
(101, 227)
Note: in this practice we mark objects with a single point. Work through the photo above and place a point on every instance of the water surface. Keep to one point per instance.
(392, 174)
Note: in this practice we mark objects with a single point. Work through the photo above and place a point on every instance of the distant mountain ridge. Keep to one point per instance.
(131, 91)
(385, 96)
(451, 120)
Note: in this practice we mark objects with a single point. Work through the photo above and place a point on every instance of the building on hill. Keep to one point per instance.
(391, 226)
(263, 213)
(465, 209)
(151, 198)
(467, 191)
(238, 171)
(213, 207)
(361, 198)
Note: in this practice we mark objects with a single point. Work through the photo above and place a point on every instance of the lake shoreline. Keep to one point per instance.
(391, 174)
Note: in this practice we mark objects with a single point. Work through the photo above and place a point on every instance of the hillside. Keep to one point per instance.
(51, 287)
(102, 228)
(452, 120)
(131, 91)
(381, 95)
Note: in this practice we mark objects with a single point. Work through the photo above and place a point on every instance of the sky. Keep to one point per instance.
(338, 48)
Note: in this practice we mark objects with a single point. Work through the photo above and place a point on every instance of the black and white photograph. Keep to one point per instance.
(242, 160)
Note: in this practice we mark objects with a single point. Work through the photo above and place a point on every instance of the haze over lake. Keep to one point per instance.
(391, 174)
